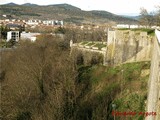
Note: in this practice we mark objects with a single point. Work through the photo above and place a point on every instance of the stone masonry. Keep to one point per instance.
(153, 102)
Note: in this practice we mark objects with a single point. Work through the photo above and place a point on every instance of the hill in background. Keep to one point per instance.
(29, 4)
(65, 12)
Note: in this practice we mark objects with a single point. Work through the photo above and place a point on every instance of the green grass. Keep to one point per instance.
(100, 46)
(148, 30)
(104, 87)
(123, 29)
(131, 71)
(90, 44)
(83, 43)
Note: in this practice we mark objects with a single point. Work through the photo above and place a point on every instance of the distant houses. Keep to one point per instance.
(12, 27)
(134, 26)
(14, 31)
(33, 22)
(15, 27)
(53, 22)
(44, 22)
(30, 22)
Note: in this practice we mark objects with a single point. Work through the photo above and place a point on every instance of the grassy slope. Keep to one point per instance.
(124, 86)
(148, 30)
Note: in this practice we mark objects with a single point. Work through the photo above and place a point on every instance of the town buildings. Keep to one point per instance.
(13, 35)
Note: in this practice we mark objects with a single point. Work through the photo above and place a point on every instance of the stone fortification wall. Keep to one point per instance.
(153, 102)
(87, 56)
(122, 46)
(127, 45)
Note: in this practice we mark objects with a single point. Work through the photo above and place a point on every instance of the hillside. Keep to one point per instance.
(66, 12)
(124, 87)
(133, 17)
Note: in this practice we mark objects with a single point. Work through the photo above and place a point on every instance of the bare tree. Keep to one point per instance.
(146, 19)
(39, 81)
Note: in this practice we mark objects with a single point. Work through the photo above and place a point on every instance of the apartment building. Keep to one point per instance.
(13, 35)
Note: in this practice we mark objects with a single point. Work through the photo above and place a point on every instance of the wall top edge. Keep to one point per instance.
(157, 32)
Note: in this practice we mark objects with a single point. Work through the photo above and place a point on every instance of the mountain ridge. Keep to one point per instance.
(66, 12)
(11, 3)
(29, 4)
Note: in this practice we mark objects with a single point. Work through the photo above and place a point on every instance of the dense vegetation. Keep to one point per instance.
(124, 86)
(41, 82)
(38, 81)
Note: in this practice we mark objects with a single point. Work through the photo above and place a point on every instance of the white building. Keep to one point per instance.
(53, 22)
(4, 15)
(134, 26)
(59, 22)
(123, 26)
(14, 35)
(32, 22)
(48, 22)
(30, 36)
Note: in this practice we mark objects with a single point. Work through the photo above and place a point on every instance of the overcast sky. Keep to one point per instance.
(124, 7)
